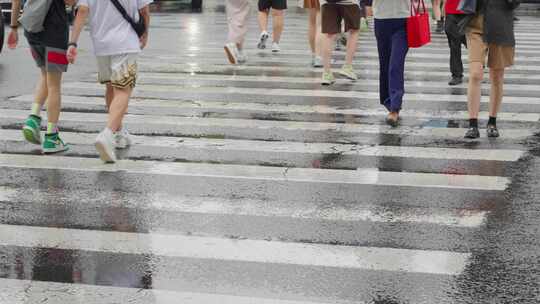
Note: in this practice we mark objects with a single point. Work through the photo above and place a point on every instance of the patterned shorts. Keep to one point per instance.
(118, 70)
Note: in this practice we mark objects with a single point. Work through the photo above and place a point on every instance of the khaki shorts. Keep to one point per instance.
(119, 70)
(333, 14)
(498, 56)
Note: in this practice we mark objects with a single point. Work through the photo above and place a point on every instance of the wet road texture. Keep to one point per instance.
(255, 184)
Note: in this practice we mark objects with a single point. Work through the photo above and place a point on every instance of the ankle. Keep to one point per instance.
(36, 109)
(473, 123)
(52, 128)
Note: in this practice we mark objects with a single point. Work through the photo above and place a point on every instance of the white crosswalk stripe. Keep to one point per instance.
(245, 141)
(25, 291)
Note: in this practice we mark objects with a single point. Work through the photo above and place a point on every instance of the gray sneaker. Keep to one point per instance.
(122, 139)
(262, 40)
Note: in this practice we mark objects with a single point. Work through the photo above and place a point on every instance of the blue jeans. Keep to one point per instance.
(392, 45)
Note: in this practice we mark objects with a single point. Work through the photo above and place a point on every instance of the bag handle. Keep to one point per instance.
(418, 7)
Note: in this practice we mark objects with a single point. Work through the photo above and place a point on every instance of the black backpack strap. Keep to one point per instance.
(124, 14)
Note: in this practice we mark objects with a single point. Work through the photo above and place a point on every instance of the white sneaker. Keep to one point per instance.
(105, 146)
(348, 71)
(232, 52)
(262, 40)
(275, 47)
(242, 58)
(316, 62)
(122, 139)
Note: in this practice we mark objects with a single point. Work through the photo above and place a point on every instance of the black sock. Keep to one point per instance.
(473, 123)
(492, 121)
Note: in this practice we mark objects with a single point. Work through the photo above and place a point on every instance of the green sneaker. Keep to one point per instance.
(31, 129)
(328, 78)
(53, 144)
(347, 71)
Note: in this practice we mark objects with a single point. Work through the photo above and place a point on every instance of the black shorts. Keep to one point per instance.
(265, 5)
(333, 14)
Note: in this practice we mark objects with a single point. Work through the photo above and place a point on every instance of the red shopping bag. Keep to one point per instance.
(418, 31)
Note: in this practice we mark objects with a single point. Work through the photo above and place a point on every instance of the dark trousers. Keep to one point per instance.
(392, 45)
(455, 40)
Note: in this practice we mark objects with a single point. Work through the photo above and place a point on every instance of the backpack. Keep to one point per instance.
(34, 14)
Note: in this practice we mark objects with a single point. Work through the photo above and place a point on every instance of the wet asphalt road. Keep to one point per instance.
(254, 184)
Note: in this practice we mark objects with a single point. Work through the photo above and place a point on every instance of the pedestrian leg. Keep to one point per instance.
(455, 40)
(476, 75)
(437, 15)
(400, 49)
(277, 23)
(54, 91)
(109, 95)
(118, 107)
(263, 20)
(328, 42)
(237, 16)
(496, 95)
(263, 26)
(347, 70)
(384, 48)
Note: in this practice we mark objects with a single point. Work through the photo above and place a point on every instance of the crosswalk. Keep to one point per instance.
(255, 184)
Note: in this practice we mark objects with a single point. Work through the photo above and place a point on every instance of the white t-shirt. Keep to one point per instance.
(110, 32)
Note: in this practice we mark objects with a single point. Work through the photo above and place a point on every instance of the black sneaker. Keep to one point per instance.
(391, 121)
(492, 131)
(440, 27)
(472, 133)
(455, 81)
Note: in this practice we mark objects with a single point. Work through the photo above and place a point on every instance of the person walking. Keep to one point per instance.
(455, 40)
(391, 35)
(48, 48)
(438, 15)
(489, 34)
(116, 46)
(332, 15)
(314, 31)
(237, 18)
(277, 7)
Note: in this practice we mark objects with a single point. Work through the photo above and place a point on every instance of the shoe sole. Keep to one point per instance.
(472, 137)
(230, 56)
(327, 83)
(31, 136)
(492, 135)
(102, 150)
(55, 150)
(348, 76)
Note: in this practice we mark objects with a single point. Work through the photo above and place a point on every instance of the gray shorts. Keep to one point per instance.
(48, 58)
